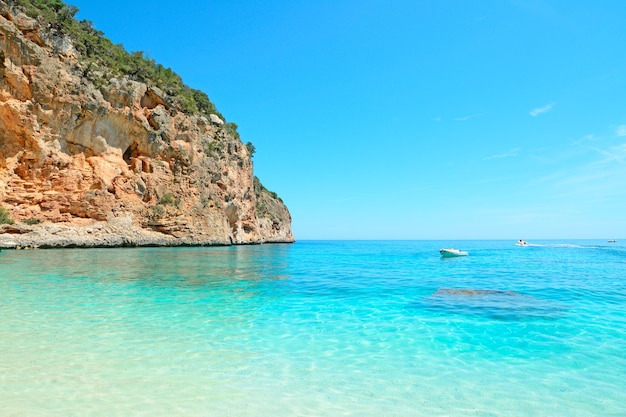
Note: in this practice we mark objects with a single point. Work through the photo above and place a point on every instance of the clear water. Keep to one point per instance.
(315, 329)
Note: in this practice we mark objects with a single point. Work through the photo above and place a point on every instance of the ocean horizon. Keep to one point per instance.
(316, 328)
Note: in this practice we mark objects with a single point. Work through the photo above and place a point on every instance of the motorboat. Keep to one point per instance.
(451, 253)
(612, 240)
(522, 243)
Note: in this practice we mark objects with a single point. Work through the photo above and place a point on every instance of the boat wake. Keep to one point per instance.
(564, 245)
(560, 245)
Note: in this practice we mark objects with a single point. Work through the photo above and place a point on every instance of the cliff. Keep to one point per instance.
(116, 164)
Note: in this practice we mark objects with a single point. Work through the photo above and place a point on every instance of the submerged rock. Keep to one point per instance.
(497, 304)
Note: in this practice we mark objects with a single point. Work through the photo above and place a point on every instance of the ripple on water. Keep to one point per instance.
(320, 328)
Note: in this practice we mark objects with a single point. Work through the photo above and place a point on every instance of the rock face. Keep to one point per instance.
(87, 160)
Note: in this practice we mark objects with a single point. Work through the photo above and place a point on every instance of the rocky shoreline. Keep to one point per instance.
(97, 234)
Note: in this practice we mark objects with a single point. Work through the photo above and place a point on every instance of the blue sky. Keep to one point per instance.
(449, 119)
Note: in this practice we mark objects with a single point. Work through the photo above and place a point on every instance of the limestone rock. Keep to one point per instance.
(215, 119)
(76, 158)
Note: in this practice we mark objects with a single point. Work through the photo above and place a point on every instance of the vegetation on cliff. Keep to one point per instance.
(5, 216)
(102, 59)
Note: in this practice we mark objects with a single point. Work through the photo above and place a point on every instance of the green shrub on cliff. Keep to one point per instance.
(260, 188)
(169, 199)
(103, 60)
(5, 217)
(49, 10)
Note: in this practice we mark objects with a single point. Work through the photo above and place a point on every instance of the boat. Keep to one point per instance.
(612, 241)
(522, 243)
(451, 252)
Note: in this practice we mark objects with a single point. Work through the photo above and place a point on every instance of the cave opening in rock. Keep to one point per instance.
(130, 152)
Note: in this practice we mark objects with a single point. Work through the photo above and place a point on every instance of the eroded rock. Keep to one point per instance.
(71, 152)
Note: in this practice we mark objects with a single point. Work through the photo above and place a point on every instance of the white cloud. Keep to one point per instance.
(585, 139)
(621, 130)
(539, 110)
(468, 117)
(593, 181)
(614, 154)
(508, 154)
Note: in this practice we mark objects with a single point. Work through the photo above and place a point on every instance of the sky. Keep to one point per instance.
(408, 119)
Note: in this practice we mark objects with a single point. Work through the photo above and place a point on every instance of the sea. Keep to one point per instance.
(316, 328)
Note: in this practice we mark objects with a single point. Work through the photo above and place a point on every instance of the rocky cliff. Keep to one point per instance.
(116, 164)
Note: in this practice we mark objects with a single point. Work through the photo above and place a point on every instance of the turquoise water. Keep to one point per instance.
(315, 329)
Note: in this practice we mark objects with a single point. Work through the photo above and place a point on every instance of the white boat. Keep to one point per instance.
(522, 243)
(612, 240)
(451, 252)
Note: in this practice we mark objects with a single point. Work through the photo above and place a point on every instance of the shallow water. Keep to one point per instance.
(315, 329)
